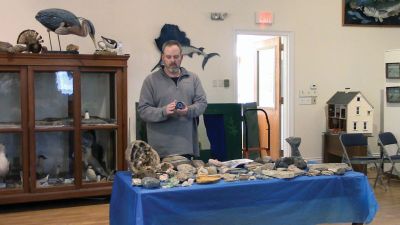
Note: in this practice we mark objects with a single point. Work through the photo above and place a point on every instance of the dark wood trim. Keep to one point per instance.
(43, 196)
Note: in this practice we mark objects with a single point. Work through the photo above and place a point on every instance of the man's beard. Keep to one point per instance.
(173, 69)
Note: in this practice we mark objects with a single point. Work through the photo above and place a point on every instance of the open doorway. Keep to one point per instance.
(264, 77)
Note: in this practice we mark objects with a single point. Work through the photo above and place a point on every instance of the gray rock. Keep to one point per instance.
(300, 163)
(150, 182)
(294, 143)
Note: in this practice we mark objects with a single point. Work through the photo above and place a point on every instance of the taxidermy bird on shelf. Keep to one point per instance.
(4, 163)
(63, 22)
(107, 43)
(90, 174)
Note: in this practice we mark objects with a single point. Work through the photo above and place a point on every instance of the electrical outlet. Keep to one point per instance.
(308, 100)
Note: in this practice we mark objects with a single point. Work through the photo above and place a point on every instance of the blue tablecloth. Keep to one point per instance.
(301, 201)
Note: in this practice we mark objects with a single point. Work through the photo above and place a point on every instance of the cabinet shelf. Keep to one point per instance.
(55, 151)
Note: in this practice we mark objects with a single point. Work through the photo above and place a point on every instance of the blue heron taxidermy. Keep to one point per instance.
(63, 22)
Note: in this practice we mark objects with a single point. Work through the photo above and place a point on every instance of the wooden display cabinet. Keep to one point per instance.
(63, 124)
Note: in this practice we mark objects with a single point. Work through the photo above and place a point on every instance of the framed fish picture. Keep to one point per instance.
(392, 70)
(393, 94)
(371, 13)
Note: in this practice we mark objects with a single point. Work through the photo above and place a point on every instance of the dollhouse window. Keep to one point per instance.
(365, 125)
(358, 110)
(358, 99)
(343, 113)
(354, 125)
(369, 113)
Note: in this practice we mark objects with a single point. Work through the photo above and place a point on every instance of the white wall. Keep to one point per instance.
(391, 111)
(326, 53)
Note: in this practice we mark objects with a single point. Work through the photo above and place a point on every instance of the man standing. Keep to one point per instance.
(170, 101)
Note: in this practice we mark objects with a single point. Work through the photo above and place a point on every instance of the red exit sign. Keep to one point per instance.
(264, 17)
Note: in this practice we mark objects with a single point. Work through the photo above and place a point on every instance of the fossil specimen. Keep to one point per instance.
(142, 158)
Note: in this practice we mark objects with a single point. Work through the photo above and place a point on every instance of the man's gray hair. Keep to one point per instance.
(171, 43)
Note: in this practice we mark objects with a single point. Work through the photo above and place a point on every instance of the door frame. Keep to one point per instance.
(287, 83)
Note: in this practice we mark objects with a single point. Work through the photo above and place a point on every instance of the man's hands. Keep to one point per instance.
(171, 109)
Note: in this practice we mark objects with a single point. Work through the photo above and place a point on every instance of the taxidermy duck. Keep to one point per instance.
(4, 163)
(63, 22)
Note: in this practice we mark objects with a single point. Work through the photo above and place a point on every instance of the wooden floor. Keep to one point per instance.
(95, 211)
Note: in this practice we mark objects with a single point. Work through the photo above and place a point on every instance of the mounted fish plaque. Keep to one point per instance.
(172, 32)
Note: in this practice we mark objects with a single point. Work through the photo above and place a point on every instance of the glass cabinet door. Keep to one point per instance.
(98, 155)
(53, 99)
(10, 100)
(54, 158)
(98, 109)
(11, 164)
(98, 98)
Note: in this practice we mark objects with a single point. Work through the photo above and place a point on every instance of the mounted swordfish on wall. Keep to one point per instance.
(172, 32)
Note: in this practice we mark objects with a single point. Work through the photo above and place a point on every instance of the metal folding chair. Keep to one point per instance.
(254, 132)
(386, 140)
(349, 143)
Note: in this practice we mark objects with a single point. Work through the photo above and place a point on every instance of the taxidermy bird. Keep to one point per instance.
(31, 39)
(43, 181)
(91, 174)
(107, 43)
(4, 163)
(63, 22)
(88, 158)
(40, 165)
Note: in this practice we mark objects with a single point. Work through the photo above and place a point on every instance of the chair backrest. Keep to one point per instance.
(250, 125)
(387, 138)
(352, 140)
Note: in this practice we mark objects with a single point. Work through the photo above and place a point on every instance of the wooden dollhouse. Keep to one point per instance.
(349, 112)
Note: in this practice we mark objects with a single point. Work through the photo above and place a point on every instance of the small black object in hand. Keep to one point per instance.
(179, 105)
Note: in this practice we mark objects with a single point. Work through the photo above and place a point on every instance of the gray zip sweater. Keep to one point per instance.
(174, 134)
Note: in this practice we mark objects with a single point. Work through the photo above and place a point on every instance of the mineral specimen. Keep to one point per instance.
(176, 160)
(142, 158)
(294, 143)
(150, 182)
(207, 179)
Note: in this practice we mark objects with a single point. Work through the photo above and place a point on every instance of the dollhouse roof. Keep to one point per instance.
(344, 98)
